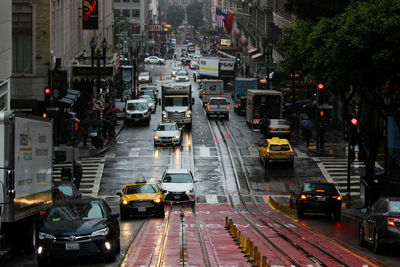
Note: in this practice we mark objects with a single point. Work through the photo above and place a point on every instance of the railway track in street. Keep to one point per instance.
(295, 243)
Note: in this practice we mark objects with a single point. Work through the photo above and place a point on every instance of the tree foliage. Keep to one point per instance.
(315, 9)
(194, 13)
(175, 15)
(354, 51)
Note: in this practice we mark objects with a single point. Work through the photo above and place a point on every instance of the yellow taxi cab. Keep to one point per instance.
(276, 150)
(141, 198)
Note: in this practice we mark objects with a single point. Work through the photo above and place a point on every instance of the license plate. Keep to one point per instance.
(71, 246)
(136, 119)
(321, 198)
(141, 209)
(176, 197)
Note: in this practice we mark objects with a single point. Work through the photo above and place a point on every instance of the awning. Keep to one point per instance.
(252, 49)
(70, 98)
(257, 56)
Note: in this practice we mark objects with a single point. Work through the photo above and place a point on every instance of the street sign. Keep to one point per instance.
(98, 104)
(155, 28)
(267, 64)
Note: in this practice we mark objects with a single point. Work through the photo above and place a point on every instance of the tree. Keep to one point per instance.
(315, 9)
(356, 51)
(194, 13)
(175, 15)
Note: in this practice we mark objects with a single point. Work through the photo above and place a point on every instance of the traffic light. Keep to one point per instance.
(238, 58)
(47, 95)
(206, 37)
(162, 42)
(321, 113)
(215, 42)
(320, 86)
(353, 131)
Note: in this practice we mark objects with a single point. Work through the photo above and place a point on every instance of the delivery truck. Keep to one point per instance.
(263, 104)
(26, 143)
(211, 88)
(239, 95)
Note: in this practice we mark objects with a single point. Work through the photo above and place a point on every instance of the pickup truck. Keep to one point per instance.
(217, 106)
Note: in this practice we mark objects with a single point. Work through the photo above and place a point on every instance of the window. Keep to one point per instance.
(135, 1)
(126, 1)
(22, 42)
(117, 1)
(135, 13)
(126, 12)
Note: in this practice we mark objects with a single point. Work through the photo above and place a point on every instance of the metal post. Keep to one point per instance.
(317, 118)
(348, 166)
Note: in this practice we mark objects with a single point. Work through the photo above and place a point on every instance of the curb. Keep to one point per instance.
(95, 153)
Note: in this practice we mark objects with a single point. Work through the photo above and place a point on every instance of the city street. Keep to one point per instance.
(231, 182)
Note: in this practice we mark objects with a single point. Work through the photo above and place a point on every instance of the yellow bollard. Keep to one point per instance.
(264, 261)
(247, 247)
(239, 238)
(226, 222)
(243, 244)
(255, 256)
(251, 252)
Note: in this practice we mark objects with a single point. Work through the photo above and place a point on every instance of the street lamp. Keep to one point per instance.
(93, 45)
(104, 46)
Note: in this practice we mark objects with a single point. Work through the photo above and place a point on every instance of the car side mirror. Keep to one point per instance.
(124, 110)
(119, 193)
(114, 214)
(364, 210)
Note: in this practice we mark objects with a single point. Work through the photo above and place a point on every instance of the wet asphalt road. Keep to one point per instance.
(133, 157)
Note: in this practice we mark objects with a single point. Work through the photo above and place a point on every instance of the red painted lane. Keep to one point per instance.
(337, 249)
(172, 249)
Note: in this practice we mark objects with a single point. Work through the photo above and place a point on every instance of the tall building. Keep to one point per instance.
(47, 37)
(5, 54)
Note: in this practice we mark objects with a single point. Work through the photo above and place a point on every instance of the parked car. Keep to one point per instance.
(167, 133)
(141, 198)
(65, 190)
(217, 106)
(178, 185)
(239, 106)
(380, 225)
(137, 111)
(145, 77)
(316, 197)
(78, 228)
(275, 127)
(182, 76)
(154, 60)
(276, 150)
(150, 102)
(175, 71)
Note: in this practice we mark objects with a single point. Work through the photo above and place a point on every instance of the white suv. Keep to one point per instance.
(137, 111)
(178, 185)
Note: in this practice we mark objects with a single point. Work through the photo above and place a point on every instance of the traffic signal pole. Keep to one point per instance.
(348, 165)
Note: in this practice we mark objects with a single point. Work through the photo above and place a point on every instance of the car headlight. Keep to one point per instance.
(156, 137)
(188, 115)
(101, 232)
(177, 136)
(158, 200)
(42, 236)
(165, 115)
(189, 191)
(125, 202)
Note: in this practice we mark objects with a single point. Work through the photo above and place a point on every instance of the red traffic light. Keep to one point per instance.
(47, 91)
(321, 113)
(215, 42)
(162, 42)
(320, 86)
(354, 121)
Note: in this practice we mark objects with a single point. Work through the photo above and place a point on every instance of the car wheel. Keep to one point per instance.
(291, 164)
(377, 245)
(361, 240)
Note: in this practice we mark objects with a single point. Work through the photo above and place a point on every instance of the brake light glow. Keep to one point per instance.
(337, 197)
(272, 129)
(303, 197)
(227, 107)
(256, 121)
(268, 150)
(208, 107)
(222, 94)
(286, 129)
(291, 150)
(392, 221)
(320, 190)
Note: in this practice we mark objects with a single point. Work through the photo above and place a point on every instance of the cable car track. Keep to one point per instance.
(218, 132)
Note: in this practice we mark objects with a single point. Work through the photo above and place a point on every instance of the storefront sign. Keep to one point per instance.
(226, 42)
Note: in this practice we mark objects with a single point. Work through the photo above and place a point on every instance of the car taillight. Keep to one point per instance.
(268, 150)
(239, 105)
(291, 150)
(286, 129)
(256, 121)
(338, 198)
(392, 221)
(222, 94)
(208, 107)
(227, 107)
(272, 129)
(303, 197)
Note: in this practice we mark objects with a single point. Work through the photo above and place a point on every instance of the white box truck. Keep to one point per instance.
(26, 156)
(211, 88)
(208, 68)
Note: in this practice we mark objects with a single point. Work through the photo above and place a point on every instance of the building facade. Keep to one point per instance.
(5, 54)
(47, 35)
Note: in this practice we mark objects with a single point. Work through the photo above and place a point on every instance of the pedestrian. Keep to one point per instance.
(307, 136)
(77, 174)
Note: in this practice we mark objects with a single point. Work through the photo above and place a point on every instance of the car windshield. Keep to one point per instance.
(66, 189)
(141, 188)
(145, 74)
(182, 73)
(177, 178)
(167, 127)
(147, 92)
(328, 188)
(76, 211)
(394, 206)
(279, 148)
(137, 106)
(218, 102)
(177, 101)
